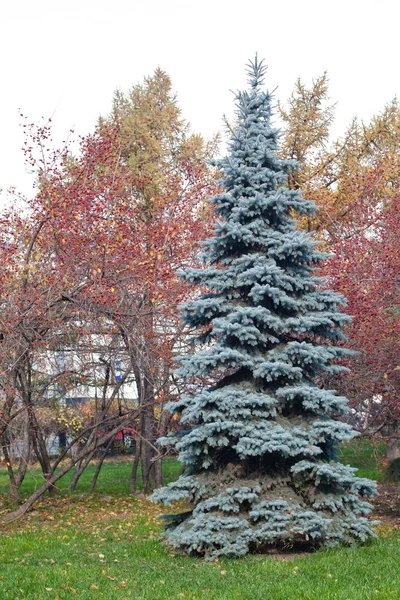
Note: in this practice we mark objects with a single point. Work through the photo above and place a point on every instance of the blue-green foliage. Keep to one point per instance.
(258, 445)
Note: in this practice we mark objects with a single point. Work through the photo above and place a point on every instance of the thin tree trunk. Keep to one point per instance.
(79, 469)
(25, 456)
(133, 478)
(39, 447)
(16, 478)
(148, 470)
(13, 489)
(22, 467)
(148, 431)
(75, 476)
(162, 429)
(141, 361)
(99, 465)
(17, 514)
(158, 473)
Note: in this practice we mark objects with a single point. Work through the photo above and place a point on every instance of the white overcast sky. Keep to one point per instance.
(65, 58)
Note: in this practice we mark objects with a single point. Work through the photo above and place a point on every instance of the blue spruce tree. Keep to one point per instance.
(259, 444)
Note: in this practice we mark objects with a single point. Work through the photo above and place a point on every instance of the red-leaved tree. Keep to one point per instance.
(89, 267)
(365, 267)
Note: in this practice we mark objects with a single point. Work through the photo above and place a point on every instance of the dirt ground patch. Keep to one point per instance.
(387, 504)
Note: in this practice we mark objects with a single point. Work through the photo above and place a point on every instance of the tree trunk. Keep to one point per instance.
(79, 469)
(133, 479)
(142, 361)
(147, 422)
(25, 456)
(145, 452)
(392, 444)
(158, 473)
(17, 514)
(40, 449)
(13, 489)
(16, 478)
(75, 476)
(99, 465)
(162, 430)
(22, 467)
(392, 449)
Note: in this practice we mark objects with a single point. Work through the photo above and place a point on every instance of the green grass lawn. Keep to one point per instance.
(107, 545)
(364, 455)
(113, 478)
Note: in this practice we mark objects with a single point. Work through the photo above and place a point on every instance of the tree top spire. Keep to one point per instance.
(256, 72)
